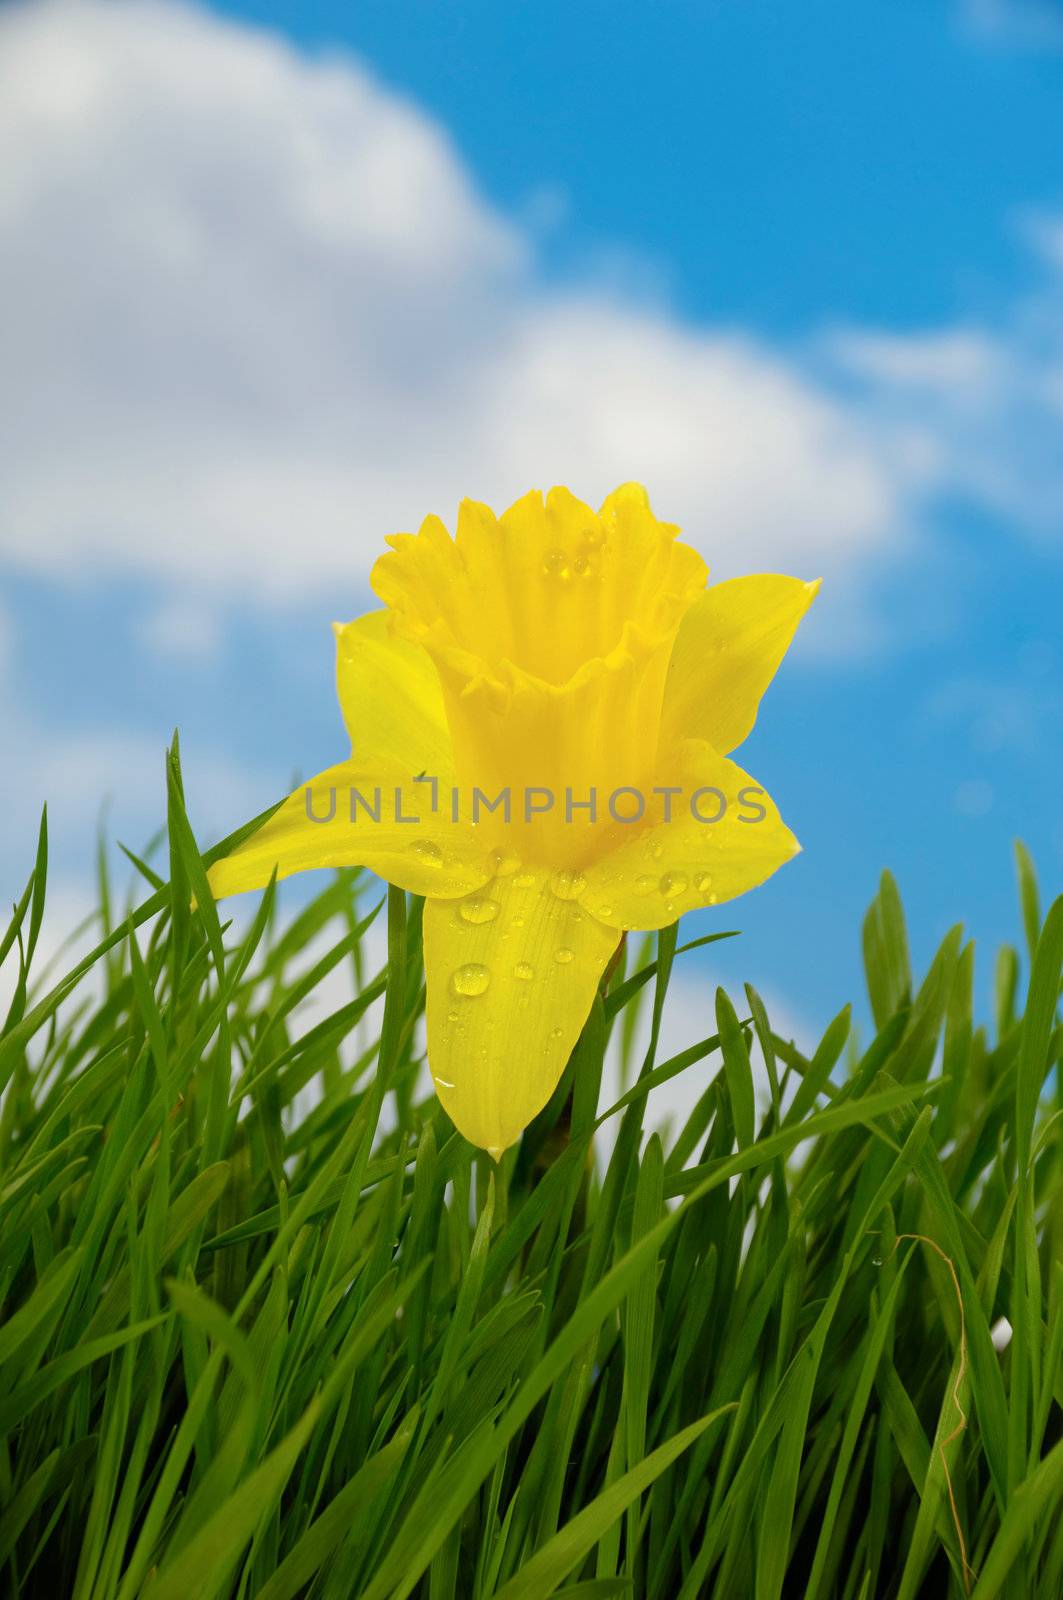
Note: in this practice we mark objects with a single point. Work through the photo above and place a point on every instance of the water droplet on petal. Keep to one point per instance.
(556, 1034)
(429, 854)
(563, 956)
(471, 979)
(478, 910)
(673, 883)
(703, 883)
(658, 851)
(504, 863)
(567, 885)
(605, 911)
(452, 1016)
(645, 882)
(524, 880)
(524, 970)
(555, 565)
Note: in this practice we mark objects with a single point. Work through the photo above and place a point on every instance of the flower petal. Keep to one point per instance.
(512, 973)
(727, 651)
(688, 861)
(391, 699)
(552, 628)
(351, 815)
(544, 588)
(556, 749)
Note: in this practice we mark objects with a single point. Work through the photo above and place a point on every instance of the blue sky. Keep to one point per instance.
(774, 164)
(274, 294)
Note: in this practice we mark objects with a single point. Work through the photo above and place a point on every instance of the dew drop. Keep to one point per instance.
(524, 880)
(605, 911)
(427, 852)
(452, 1016)
(644, 883)
(703, 882)
(504, 863)
(478, 910)
(471, 979)
(556, 1034)
(567, 885)
(563, 956)
(657, 852)
(524, 970)
(673, 883)
(555, 565)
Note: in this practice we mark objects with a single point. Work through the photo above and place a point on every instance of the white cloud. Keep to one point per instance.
(1036, 23)
(1046, 234)
(984, 402)
(102, 772)
(6, 641)
(258, 317)
(68, 932)
(953, 362)
(182, 628)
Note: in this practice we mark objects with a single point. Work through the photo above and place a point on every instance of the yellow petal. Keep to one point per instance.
(724, 837)
(552, 627)
(390, 697)
(727, 651)
(544, 588)
(351, 815)
(512, 972)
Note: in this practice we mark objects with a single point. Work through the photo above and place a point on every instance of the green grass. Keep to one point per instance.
(254, 1344)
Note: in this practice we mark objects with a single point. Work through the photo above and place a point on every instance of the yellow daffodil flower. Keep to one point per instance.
(541, 721)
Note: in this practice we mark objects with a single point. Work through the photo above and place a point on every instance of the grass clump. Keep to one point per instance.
(271, 1329)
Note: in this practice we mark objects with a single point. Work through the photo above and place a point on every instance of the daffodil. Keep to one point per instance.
(541, 721)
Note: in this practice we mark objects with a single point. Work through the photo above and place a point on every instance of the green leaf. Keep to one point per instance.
(540, 1577)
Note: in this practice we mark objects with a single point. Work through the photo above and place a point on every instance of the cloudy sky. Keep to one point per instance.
(280, 277)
